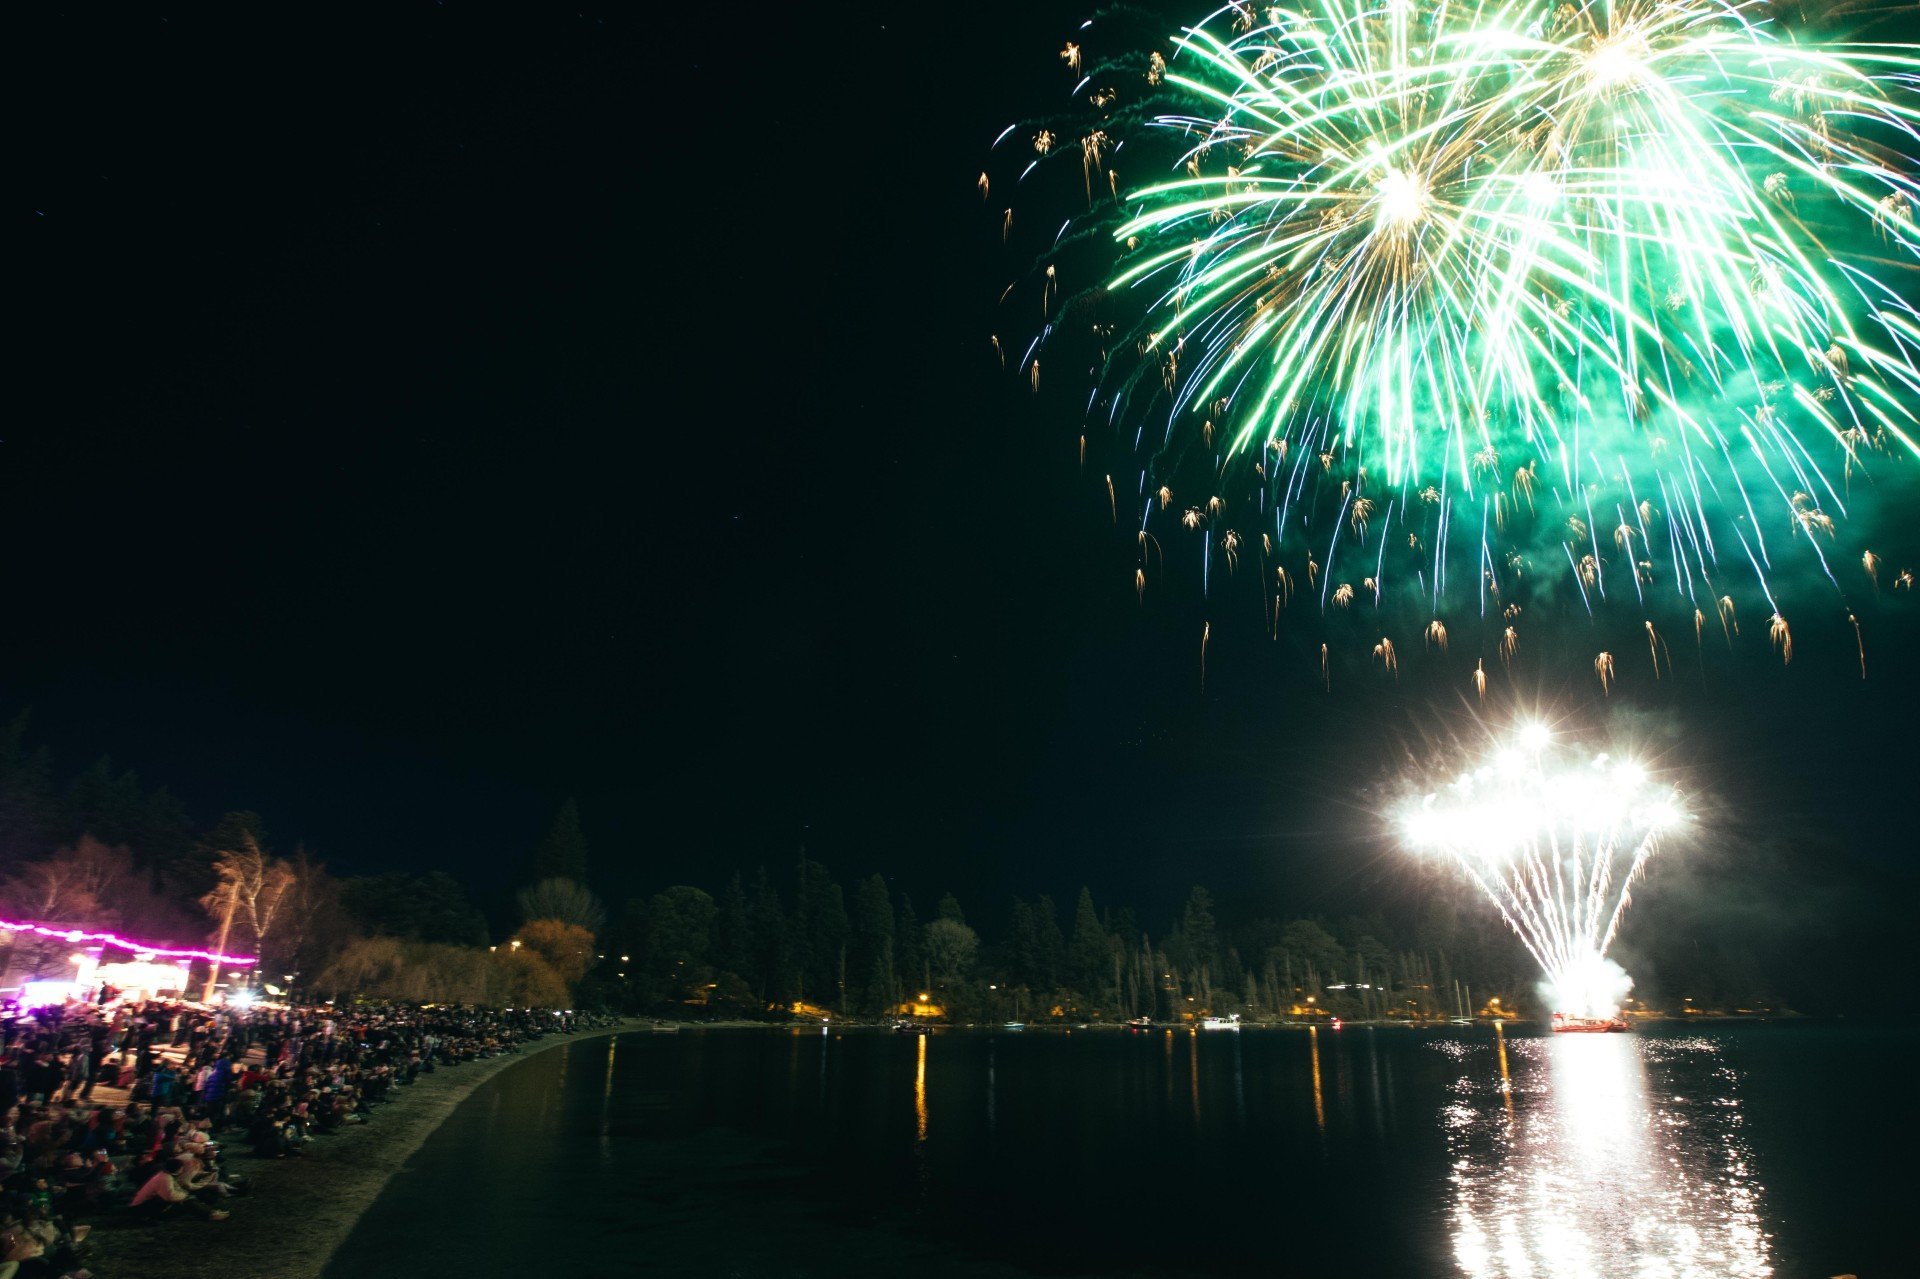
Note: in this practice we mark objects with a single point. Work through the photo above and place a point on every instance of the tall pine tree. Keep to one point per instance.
(563, 853)
(1092, 960)
(871, 946)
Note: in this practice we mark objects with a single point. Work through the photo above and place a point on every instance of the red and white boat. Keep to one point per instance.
(1563, 1024)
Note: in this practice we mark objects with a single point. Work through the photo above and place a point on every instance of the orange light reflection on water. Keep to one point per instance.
(1319, 1101)
(920, 1089)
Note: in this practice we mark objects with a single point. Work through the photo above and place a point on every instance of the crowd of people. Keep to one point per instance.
(204, 1090)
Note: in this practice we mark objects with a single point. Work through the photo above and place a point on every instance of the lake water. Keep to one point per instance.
(1737, 1150)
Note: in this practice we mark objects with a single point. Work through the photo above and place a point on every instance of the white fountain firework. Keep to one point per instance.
(1556, 839)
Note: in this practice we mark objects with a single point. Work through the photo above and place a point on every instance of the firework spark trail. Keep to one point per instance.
(1449, 250)
(1556, 841)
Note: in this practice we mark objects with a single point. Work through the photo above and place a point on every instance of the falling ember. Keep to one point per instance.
(1358, 515)
(1871, 562)
(1781, 637)
(1140, 585)
(1903, 581)
(1729, 620)
(984, 185)
(1383, 652)
(1206, 633)
(1437, 635)
(1860, 642)
(1556, 842)
(1509, 645)
(1657, 647)
(1603, 667)
(1480, 679)
(1113, 502)
(1071, 56)
(1091, 148)
(1699, 628)
(1326, 672)
(1165, 495)
(1034, 376)
(1342, 595)
(1282, 585)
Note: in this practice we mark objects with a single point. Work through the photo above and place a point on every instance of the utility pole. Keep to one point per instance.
(220, 947)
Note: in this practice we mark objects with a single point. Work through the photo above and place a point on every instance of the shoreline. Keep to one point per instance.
(299, 1211)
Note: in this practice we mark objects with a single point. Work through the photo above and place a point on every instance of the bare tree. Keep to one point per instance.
(252, 889)
(567, 900)
(309, 927)
(74, 885)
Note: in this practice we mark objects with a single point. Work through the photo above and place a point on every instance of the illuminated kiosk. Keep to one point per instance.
(45, 964)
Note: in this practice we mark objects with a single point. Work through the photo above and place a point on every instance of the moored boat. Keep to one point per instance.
(1229, 1022)
(1564, 1025)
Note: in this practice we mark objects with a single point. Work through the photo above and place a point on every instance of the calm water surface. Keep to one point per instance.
(1740, 1150)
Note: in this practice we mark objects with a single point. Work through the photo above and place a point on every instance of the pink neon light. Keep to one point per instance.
(112, 939)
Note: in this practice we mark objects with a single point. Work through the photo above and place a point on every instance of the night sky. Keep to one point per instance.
(434, 412)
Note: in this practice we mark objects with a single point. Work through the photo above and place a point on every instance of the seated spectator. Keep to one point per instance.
(163, 1194)
(82, 1182)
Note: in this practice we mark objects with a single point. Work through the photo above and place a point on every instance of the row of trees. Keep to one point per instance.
(868, 952)
(108, 851)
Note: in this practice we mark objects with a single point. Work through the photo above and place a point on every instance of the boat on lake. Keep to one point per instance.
(911, 1028)
(1013, 1025)
(1229, 1022)
(1565, 1025)
(1139, 1023)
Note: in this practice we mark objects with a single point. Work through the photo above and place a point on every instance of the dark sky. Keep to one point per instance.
(434, 411)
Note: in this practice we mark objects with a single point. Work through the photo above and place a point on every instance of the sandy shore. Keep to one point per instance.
(301, 1210)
